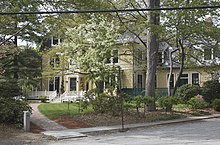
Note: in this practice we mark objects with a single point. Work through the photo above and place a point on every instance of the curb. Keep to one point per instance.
(84, 132)
(147, 125)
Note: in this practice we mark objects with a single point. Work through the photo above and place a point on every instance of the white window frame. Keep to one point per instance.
(58, 43)
(112, 57)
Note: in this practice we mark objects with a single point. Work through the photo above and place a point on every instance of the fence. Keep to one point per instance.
(141, 91)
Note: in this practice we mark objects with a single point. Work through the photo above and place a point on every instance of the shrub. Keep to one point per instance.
(211, 90)
(107, 104)
(12, 110)
(216, 104)
(167, 102)
(42, 98)
(186, 92)
(197, 103)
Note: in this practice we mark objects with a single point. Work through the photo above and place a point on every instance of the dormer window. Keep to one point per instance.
(207, 54)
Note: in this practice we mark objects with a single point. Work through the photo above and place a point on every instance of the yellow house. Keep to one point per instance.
(64, 77)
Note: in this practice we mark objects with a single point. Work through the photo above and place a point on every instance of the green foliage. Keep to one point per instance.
(138, 101)
(186, 92)
(182, 106)
(216, 104)
(42, 98)
(85, 104)
(12, 110)
(211, 90)
(9, 89)
(142, 101)
(197, 103)
(107, 104)
(167, 102)
(90, 44)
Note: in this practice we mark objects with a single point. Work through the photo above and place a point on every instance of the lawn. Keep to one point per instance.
(53, 110)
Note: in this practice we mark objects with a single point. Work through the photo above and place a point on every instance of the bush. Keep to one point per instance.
(107, 104)
(188, 91)
(216, 104)
(211, 90)
(167, 102)
(197, 103)
(42, 98)
(12, 110)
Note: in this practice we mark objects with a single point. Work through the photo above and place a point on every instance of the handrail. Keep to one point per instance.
(52, 96)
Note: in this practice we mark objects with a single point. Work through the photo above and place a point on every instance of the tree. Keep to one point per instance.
(152, 50)
(186, 32)
(29, 64)
(145, 27)
(90, 45)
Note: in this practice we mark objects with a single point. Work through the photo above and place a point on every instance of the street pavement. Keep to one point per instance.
(200, 132)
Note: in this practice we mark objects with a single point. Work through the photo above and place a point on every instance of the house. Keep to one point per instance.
(67, 80)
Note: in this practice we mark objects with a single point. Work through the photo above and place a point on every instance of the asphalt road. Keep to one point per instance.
(206, 132)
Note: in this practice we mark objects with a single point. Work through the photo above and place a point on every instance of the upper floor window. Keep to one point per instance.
(55, 61)
(160, 57)
(55, 41)
(115, 56)
(207, 54)
(112, 57)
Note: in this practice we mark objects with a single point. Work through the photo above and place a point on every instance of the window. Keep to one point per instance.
(160, 57)
(140, 81)
(112, 57)
(51, 84)
(183, 79)
(55, 41)
(108, 57)
(55, 61)
(171, 80)
(54, 84)
(195, 78)
(115, 56)
(207, 54)
(110, 81)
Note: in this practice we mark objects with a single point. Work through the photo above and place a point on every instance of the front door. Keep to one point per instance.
(72, 84)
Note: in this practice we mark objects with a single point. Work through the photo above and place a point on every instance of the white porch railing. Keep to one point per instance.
(50, 95)
(72, 96)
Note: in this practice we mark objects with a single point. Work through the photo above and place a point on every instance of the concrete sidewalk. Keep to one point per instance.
(83, 132)
(42, 121)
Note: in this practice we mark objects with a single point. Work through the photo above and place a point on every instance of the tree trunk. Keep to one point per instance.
(152, 50)
(181, 67)
(171, 71)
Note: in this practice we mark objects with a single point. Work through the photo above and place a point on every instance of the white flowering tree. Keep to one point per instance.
(90, 45)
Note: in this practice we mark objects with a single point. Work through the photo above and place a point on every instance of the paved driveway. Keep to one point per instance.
(206, 132)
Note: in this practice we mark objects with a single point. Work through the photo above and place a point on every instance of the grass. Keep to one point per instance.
(54, 110)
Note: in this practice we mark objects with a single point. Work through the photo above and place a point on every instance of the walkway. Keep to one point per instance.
(42, 121)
